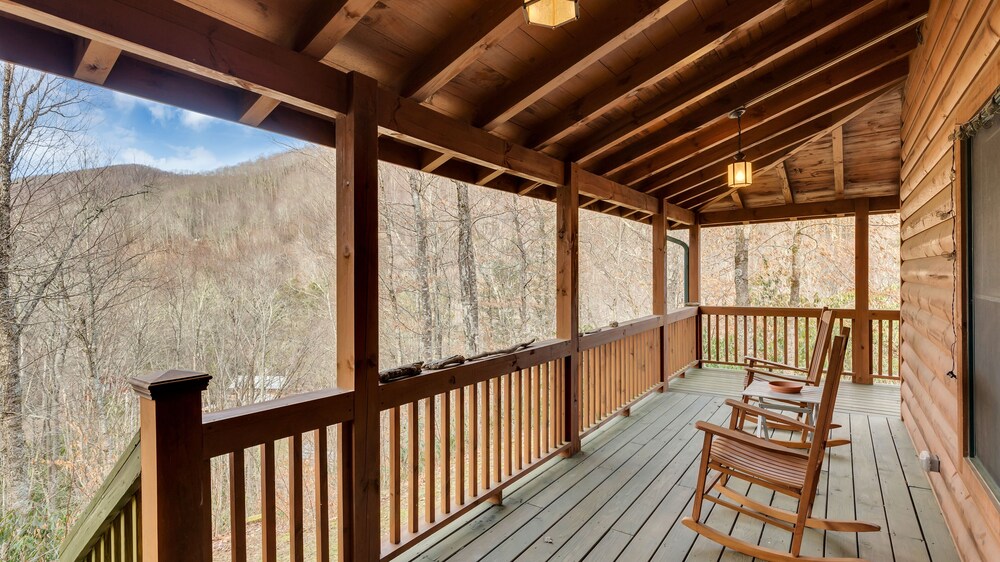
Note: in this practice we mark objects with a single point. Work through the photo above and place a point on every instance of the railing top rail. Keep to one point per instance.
(682, 314)
(791, 312)
(118, 488)
(246, 426)
(436, 382)
(625, 329)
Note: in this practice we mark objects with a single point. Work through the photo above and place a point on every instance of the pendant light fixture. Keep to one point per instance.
(740, 172)
(551, 13)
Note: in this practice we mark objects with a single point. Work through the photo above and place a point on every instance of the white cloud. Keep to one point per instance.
(195, 159)
(195, 121)
(160, 113)
(124, 102)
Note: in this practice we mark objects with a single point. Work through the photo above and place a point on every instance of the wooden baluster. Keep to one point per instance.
(808, 339)
(517, 417)
(129, 550)
(395, 484)
(526, 417)
(295, 505)
(537, 411)
(268, 521)
(745, 333)
(413, 467)
(430, 504)
(445, 463)
(606, 382)
(321, 476)
(460, 449)
(543, 384)
(497, 457)
(508, 465)
(586, 387)
(237, 507)
(474, 440)
(892, 349)
(726, 338)
(484, 435)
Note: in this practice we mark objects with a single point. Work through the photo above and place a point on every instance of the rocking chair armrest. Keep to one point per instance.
(747, 439)
(752, 371)
(753, 361)
(773, 416)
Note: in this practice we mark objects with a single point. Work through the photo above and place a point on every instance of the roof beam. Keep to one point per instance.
(603, 189)
(182, 38)
(315, 40)
(583, 48)
(93, 61)
(688, 47)
(492, 22)
(786, 184)
(838, 161)
(700, 188)
(803, 123)
(821, 93)
(795, 34)
(678, 214)
(777, 213)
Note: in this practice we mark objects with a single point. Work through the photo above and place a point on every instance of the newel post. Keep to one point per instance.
(660, 289)
(174, 501)
(861, 330)
(568, 297)
(694, 281)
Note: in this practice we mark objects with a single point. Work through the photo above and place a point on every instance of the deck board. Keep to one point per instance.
(623, 496)
(875, 399)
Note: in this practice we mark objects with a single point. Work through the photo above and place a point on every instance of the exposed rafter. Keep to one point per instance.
(838, 161)
(786, 184)
(795, 211)
(688, 47)
(799, 32)
(94, 61)
(625, 21)
(491, 23)
(318, 36)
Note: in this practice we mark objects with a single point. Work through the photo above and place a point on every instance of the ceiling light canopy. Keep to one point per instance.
(551, 13)
(740, 171)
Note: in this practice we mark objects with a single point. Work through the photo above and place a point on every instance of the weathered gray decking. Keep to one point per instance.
(623, 497)
(878, 399)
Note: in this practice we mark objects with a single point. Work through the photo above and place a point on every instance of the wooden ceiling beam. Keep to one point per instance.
(593, 40)
(94, 60)
(179, 37)
(800, 124)
(707, 186)
(315, 39)
(838, 161)
(822, 209)
(838, 85)
(797, 33)
(691, 45)
(678, 214)
(786, 184)
(473, 37)
(603, 189)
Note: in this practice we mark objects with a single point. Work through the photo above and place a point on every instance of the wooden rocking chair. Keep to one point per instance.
(757, 368)
(735, 454)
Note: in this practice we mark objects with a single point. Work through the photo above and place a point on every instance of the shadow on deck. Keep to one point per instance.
(623, 496)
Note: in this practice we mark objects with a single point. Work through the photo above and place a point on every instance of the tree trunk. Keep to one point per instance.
(741, 272)
(423, 261)
(795, 279)
(522, 270)
(467, 271)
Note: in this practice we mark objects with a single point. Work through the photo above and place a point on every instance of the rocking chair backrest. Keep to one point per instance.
(823, 332)
(825, 416)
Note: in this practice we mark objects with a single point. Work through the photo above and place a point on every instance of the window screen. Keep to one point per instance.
(983, 275)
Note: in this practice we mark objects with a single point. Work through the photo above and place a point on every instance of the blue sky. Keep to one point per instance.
(131, 130)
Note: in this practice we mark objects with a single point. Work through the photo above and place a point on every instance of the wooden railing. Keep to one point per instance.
(109, 528)
(617, 366)
(786, 335)
(682, 340)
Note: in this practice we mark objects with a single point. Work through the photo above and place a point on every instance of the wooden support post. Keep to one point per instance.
(567, 298)
(357, 319)
(174, 499)
(660, 287)
(862, 317)
(694, 279)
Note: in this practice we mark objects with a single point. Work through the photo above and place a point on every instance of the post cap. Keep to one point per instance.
(160, 383)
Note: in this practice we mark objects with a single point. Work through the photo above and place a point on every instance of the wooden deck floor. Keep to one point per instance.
(878, 399)
(623, 497)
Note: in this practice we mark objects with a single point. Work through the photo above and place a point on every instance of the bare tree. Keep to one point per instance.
(467, 270)
(741, 265)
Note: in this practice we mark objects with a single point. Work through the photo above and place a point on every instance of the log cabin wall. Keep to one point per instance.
(952, 73)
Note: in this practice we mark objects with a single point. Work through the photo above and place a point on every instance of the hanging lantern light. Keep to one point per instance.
(740, 171)
(551, 13)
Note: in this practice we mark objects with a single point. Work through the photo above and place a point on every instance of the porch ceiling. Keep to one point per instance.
(637, 92)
